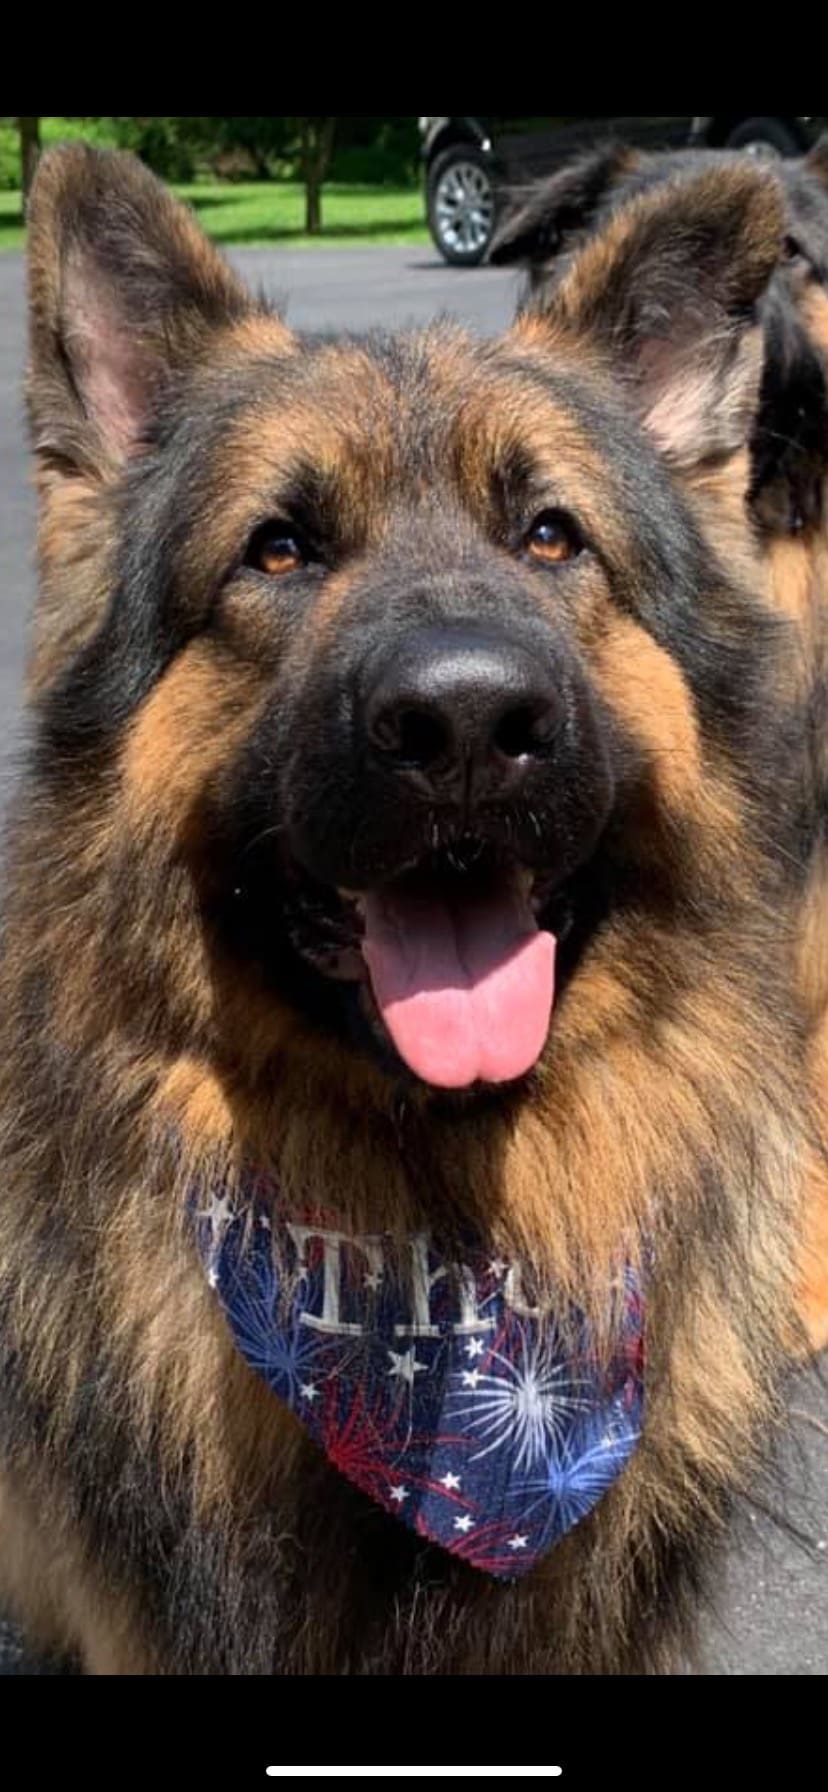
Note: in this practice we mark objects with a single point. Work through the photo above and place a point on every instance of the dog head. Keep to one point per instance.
(393, 695)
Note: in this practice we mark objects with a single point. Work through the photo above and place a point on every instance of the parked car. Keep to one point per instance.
(470, 161)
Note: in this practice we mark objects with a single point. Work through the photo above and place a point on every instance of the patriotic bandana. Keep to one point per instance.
(451, 1402)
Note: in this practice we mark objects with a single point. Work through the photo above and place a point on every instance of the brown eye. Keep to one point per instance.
(274, 550)
(554, 538)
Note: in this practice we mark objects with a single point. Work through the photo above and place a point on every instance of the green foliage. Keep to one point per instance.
(165, 144)
(377, 151)
(52, 130)
(248, 146)
(9, 157)
(368, 151)
(99, 131)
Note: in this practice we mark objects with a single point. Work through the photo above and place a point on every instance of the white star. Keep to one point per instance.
(309, 1392)
(406, 1366)
(265, 1223)
(518, 1542)
(497, 1267)
(451, 1483)
(399, 1494)
(471, 1378)
(219, 1213)
(464, 1524)
(475, 1347)
(374, 1280)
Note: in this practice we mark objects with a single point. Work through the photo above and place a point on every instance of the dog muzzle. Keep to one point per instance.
(486, 1425)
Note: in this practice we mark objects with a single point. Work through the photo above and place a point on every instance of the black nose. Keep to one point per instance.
(462, 708)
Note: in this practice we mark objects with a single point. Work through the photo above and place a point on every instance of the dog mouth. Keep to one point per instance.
(453, 962)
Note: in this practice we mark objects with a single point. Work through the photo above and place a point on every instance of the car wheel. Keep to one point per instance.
(764, 137)
(461, 205)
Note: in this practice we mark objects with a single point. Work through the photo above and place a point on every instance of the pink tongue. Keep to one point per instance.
(464, 987)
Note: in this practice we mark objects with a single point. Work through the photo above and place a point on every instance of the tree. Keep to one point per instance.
(29, 129)
(306, 141)
(316, 140)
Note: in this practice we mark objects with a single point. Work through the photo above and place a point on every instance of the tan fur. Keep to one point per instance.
(62, 1598)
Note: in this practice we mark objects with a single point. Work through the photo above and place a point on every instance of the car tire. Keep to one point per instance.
(462, 205)
(764, 136)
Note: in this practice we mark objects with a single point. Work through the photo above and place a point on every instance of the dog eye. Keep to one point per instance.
(554, 538)
(275, 549)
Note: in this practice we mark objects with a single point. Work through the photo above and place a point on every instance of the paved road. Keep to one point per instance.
(774, 1597)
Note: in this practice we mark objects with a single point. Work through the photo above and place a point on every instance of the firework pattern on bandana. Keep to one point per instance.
(451, 1404)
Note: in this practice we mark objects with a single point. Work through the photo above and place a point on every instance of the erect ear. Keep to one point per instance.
(124, 292)
(542, 219)
(668, 291)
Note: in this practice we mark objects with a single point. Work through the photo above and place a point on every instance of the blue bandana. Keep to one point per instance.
(452, 1402)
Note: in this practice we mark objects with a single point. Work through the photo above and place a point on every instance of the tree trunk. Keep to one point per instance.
(317, 147)
(313, 203)
(29, 151)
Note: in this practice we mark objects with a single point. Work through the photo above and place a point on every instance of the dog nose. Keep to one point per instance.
(463, 709)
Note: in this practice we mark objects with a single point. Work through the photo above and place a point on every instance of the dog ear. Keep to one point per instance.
(124, 292)
(542, 219)
(668, 292)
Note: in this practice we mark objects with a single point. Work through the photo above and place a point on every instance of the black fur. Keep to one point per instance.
(544, 226)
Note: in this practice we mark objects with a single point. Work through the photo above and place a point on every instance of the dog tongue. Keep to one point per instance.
(464, 982)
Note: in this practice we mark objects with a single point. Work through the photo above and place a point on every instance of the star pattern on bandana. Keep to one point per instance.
(491, 1446)
(406, 1366)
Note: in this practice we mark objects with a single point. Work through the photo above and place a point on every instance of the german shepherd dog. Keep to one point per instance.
(403, 1099)
(777, 496)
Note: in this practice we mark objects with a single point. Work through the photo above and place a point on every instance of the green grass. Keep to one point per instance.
(11, 221)
(273, 212)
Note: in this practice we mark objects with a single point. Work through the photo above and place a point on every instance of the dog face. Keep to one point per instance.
(402, 661)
